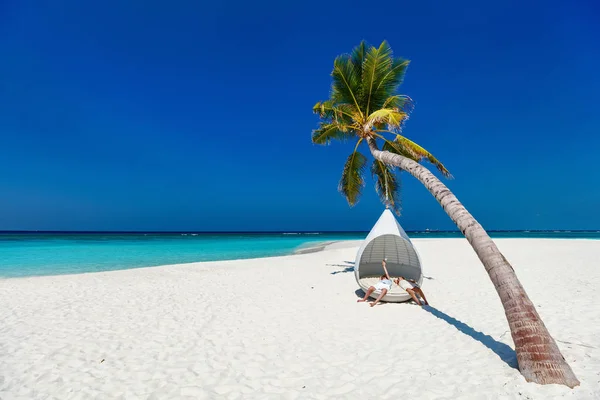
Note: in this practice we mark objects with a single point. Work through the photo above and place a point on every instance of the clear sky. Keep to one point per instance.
(144, 115)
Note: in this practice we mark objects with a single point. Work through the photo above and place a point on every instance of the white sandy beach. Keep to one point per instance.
(289, 327)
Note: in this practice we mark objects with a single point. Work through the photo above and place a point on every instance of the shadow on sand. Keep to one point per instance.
(348, 267)
(505, 352)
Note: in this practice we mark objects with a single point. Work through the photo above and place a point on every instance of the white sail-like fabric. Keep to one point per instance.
(388, 240)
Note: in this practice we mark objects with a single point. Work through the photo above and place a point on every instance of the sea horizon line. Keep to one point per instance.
(282, 231)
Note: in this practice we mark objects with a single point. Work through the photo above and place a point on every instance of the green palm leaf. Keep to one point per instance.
(345, 114)
(352, 181)
(324, 109)
(387, 185)
(399, 101)
(389, 82)
(419, 153)
(346, 84)
(390, 118)
(326, 132)
(377, 63)
(358, 57)
(363, 104)
(395, 148)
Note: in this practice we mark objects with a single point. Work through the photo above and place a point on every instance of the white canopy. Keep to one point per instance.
(388, 240)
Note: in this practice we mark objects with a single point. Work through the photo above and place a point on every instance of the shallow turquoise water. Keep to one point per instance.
(28, 254)
(52, 254)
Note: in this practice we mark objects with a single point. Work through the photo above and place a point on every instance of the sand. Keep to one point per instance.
(289, 327)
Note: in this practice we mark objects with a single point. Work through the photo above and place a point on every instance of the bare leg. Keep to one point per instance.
(369, 291)
(414, 296)
(420, 293)
(383, 293)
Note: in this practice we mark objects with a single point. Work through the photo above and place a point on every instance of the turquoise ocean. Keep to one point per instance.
(55, 253)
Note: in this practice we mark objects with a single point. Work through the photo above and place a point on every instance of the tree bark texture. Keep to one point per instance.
(539, 358)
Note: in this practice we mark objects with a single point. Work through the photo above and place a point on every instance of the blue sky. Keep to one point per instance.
(197, 116)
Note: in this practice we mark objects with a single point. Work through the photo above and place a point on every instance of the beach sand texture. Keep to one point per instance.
(289, 327)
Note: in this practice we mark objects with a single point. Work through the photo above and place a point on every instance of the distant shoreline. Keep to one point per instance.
(430, 231)
(52, 255)
(329, 245)
(308, 236)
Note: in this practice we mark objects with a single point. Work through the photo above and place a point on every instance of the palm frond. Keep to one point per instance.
(327, 131)
(352, 181)
(358, 57)
(419, 153)
(387, 185)
(364, 103)
(399, 101)
(346, 84)
(389, 82)
(376, 65)
(323, 109)
(392, 118)
(395, 148)
(392, 101)
(345, 114)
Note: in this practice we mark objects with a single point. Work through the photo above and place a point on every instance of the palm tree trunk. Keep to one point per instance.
(539, 357)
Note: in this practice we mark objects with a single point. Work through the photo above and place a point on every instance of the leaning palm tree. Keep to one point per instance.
(364, 106)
